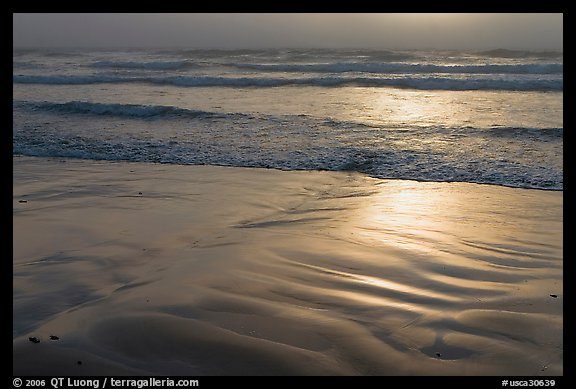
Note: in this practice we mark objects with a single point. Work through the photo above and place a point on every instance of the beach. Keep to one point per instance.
(165, 269)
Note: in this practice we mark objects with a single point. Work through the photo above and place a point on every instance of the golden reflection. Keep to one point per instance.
(448, 219)
(384, 284)
(393, 108)
(398, 106)
(408, 214)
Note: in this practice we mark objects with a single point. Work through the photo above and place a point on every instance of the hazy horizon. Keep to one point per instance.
(534, 32)
(224, 49)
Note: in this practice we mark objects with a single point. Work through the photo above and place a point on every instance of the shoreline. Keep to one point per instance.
(203, 270)
(64, 159)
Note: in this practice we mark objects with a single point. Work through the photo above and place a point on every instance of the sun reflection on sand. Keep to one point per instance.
(428, 220)
(408, 217)
(381, 283)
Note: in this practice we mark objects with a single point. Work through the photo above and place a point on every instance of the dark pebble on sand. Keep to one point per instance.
(22, 201)
(554, 295)
(34, 339)
(54, 337)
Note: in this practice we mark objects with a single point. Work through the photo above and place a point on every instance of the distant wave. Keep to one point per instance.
(168, 111)
(153, 65)
(507, 53)
(386, 68)
(118, 110)
(48, 53)
(293, 54)
(543, 134)
(424, 83)
(27, 65)
(67, 80)
(16, 52)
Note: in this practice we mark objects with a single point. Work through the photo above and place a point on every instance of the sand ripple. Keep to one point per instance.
(229, 271)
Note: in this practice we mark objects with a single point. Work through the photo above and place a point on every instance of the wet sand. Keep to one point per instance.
(202, 270)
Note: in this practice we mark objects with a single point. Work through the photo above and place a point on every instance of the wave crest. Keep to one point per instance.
(123, 110)
(421, 83)
(393, 68)
(154, 65)
(507, 53)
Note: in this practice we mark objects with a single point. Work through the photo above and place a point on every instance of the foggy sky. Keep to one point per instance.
(384, 31)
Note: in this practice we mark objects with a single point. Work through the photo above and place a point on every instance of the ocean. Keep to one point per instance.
(490, 117)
